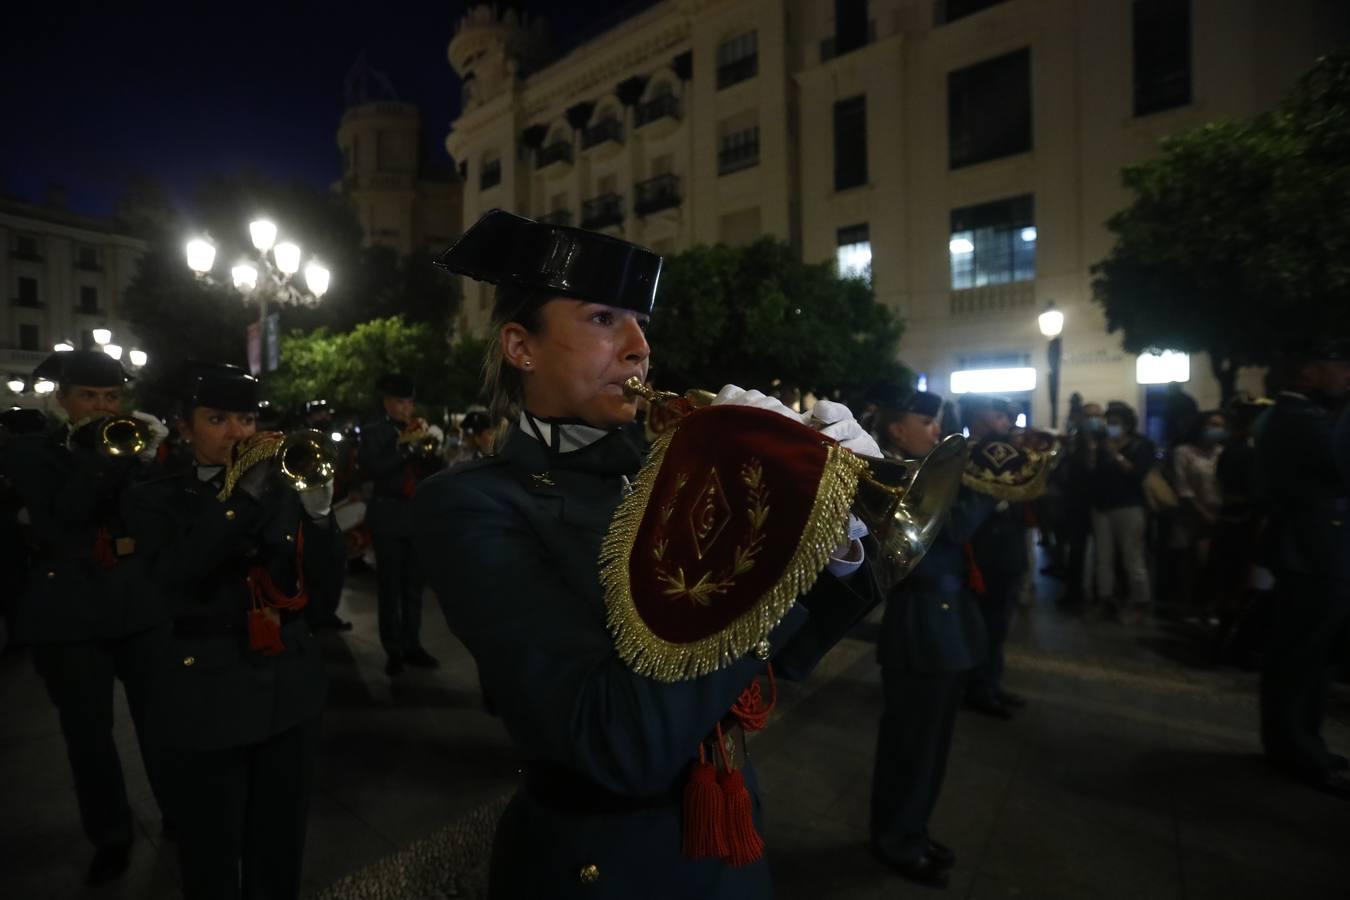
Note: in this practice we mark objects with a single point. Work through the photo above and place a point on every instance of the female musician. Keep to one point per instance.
(236, 700)
(511, 546)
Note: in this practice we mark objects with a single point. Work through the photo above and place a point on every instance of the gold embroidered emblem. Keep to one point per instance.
(707, 521)
(999, 453)
(542, 479)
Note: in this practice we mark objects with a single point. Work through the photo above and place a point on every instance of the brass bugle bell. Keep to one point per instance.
(903, 502)
(306, 459)
(117, 436)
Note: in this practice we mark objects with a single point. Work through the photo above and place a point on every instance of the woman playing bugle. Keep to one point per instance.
(511, 545)
(234, 553)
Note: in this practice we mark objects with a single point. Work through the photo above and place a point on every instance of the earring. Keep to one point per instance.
(528, 363)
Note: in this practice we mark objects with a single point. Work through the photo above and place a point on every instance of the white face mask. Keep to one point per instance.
(1115, 431)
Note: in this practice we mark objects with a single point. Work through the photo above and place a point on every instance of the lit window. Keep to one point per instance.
(993, 381)
(993, 243)
(854, 253)
(1162, 368)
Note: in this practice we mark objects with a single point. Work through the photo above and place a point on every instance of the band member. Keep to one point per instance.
(234, 554)
(511, 544)
(392, 458)
(321, 611)
(999, 549)
(1308, 499)
(87, 612)
(478, 435)
(932, 634)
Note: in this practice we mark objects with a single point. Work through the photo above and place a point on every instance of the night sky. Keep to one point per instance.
(95, 94)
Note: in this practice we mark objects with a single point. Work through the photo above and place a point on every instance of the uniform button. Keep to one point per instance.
(229, 515)
(189, 660)
(946, 606)
(290, 538)
(51, 574)
(590, 874)
(763, 650)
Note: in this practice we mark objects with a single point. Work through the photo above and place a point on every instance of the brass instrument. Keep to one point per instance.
(303, 459)
(903, 503)
(419, 440)
(122, 436)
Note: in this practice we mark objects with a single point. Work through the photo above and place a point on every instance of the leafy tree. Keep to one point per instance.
(758, 316)
(1238, 238)
(342, 367)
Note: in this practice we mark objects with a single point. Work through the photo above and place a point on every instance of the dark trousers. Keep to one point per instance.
(80, 678)
(996, 605)
(912, 746)
(322, 607)
(397, 577)
(243, 813)
(1310, 619)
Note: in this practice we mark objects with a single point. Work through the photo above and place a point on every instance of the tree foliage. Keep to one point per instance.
(1238, 237)
(342, 367)
(758, 316)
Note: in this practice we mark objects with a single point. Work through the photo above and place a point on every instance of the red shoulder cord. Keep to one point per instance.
(974, 577)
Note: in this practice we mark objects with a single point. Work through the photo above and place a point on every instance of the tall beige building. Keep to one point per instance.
(64, 276)
(964, 154)
(402, 200)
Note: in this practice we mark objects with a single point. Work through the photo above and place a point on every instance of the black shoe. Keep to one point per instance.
(341, 624)
(394, 666)
(108, 863)
(925, 870)
(1011, 700)
(1337, 763)
(990, 708)
(943, 854)
(421, 658)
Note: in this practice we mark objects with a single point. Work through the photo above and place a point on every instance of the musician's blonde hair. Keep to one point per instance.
(503, 383)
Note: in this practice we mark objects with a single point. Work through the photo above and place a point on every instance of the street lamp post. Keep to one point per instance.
(268, 275)
(1051, 323)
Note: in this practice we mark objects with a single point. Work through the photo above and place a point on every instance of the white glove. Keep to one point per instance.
(156, 432)
(317, 501)
(436, 432)
(731, 395)
(834, 420)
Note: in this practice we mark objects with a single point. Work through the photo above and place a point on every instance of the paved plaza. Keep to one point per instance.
(1134, 772)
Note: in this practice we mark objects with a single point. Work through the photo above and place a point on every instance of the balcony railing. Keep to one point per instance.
(740, 70)
(738, 156)
(656, 194)
(601, 132)
(557, 217)
(602, 211)
(554, 153)
(662, 106)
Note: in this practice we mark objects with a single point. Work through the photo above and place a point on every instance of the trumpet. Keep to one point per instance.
(903, 502)
(114, 436)
(303, 459)
(419, 440)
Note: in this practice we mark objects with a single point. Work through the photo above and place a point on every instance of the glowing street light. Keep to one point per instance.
(138, 358)
(245, 277)
(1051, 322)
(316, 278)
(101, 336)
(43, 386)
(113, 350)
(15, 385)
(64, 347)
(287, 256)
(201, 255)
(263, 234)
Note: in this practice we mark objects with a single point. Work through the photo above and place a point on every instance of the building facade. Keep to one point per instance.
(64, 276)
(963, 154)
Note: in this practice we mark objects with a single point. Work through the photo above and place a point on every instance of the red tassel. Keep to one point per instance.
(103, 554)
(974, 577)
(704, 811)
(744, 844)
(264, 631)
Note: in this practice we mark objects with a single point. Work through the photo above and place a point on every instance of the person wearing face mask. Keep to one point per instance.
(512, 545)
(932, 633)
(237, 692)
(1307, 496)
(1195, 473)
(390, 458)
(999, 551)
(86, 612)
(1118, 458)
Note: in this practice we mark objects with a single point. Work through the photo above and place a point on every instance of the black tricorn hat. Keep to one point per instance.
(505, 249)
(897, 398)
(395, 384)
(89, 368)
(475, 421)
(218, 386)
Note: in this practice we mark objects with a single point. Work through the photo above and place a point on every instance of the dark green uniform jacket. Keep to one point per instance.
(213, 691)
(72, 494)
(510, 545)
(931, 623)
